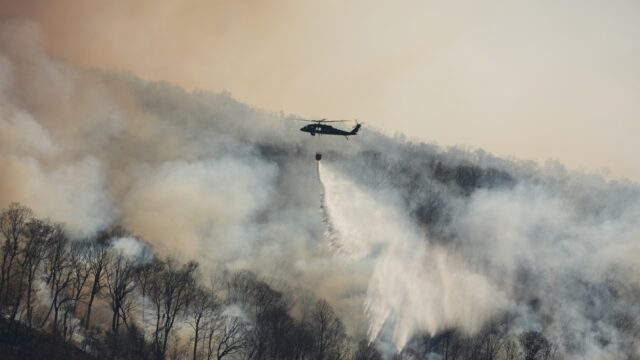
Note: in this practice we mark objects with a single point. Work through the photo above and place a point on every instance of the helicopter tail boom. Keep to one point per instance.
(355, 129)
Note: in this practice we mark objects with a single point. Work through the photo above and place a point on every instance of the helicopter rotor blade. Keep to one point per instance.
(321, 121)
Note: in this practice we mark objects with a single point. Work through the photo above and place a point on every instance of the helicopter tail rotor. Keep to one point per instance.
(356, 128)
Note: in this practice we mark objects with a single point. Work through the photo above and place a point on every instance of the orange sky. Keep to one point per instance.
(530, 79)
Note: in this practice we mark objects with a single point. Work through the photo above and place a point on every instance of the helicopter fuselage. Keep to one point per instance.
(323, 129)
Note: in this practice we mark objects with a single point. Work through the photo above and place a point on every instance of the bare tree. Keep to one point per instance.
(37, 237)
(170, 292)
(81, 271)
(225, 329)
(58, 274)
(97, 258)
(272, 333)
(120, 278)
(13, 221)
(80, 252)
(240, 287)
(225, 336)
(144, 277)
(328, 332)
(203, 307)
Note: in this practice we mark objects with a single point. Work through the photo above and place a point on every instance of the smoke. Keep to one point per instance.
(421, 239)
(508, 73)
(575, 260)
(415, 286)
(132, 249)
(218, 199)
(556, 251)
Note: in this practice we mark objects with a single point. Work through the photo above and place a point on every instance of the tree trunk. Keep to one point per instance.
(29, 306)
(156, 340)
(195, 342)
(114, 320)
(8, 278)
(14, 311)
(87, 320)
(55, 319)
(165, 341)
(210, 344)
(3, 274)
(94, 291)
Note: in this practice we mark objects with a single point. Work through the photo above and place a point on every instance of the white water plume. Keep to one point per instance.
(414, 285)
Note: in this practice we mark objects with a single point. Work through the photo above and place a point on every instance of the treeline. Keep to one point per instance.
(116, 301)
(497, 340)
(112, 297)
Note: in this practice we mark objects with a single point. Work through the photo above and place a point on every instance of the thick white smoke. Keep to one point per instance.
(132, 249)
(203, 200)
(428, 239)
(558, 253)
(579, 265)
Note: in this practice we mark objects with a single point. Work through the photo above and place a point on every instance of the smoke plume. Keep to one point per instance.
(422, 240)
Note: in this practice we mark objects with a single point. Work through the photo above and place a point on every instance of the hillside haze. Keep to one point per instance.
(407, 241)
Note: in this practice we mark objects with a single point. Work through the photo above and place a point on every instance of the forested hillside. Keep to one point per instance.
(141, 220)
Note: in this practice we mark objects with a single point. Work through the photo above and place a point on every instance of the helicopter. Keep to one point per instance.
(319, 127)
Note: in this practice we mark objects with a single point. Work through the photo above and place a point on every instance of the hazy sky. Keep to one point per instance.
(531, 79)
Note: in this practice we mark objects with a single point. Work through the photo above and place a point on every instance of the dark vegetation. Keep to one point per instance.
(24, 343)
(494, 342)
(65, 295)
(84, 298)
